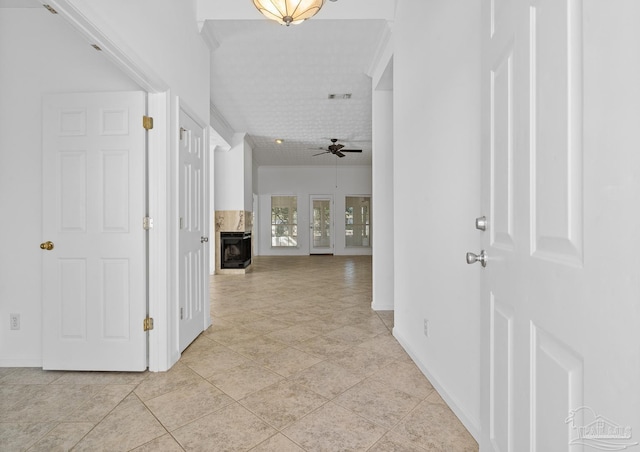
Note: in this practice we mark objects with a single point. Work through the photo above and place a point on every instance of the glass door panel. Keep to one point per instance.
(321, 225)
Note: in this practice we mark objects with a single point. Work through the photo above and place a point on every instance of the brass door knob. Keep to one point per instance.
(47, 246)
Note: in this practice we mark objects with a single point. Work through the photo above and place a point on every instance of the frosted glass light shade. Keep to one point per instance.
(288, 12)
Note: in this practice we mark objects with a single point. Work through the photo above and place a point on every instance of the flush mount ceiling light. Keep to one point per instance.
(288, 12)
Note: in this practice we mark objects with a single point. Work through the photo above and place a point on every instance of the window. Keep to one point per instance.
(284, 221)
(357, 221)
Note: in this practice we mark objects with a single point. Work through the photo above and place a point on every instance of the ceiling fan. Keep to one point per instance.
(337, 149)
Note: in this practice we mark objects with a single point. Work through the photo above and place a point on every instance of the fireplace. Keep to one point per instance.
(235, 249)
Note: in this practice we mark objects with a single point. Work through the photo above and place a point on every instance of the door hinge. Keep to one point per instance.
(147, 122)
(147, 223)
(147, 324)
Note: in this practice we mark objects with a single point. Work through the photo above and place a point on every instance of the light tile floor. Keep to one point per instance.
(295, 361)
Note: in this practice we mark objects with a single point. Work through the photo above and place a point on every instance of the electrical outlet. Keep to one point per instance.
(426, 327)
(14, 321)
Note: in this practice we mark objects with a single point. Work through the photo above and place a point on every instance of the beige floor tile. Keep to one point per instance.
(433, 426)
(233, 335)
(377, 402)
(4, 371)
(217, 324)
(231, 429)
(326, 378)
(128, 426)
(159, 383)
(384, 343)
(50, 403)
(283, 403)
(98, 406)
(11, 395)
(20, 436)
(322, 346)
(393, 443)
(341, 317)
(288, 361)
(434, 397)
(333, 428)
(202, 346)
(165, 443)
(30, 376)
(243, 380)
(257, 347)
(295, 317)
(207, 365)
(317, 309)
(406, 377)
(387, 318)
(351, 335)
(63, 437)
(277, 443)
(183, 405)
(374, 326)
(361, 361)
(273, 311)
(296, 333)
(266, 325)
(242, 318)
(100, 378)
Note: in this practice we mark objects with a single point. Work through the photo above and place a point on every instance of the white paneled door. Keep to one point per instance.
(554, 363)
(193, 235)
(94, 272)
(322, 236)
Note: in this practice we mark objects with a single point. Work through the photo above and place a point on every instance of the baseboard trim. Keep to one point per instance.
(381, 306)
(471, 424)
(20, 362)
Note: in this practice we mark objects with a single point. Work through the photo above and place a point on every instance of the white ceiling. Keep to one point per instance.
(272, 81)
(20, 4)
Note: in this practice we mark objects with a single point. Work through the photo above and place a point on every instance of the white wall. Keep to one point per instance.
(233, 177)
(40, 53)
(303, 182)
(437, 194)
(161, 35)
(248, 176)
(382, 199)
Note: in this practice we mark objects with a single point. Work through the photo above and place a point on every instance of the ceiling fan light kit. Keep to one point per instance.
(287, 12)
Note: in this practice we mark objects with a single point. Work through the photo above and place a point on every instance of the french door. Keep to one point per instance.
(321, 239)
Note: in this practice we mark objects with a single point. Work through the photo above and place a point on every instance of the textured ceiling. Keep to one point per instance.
(272, 81)
(20, 4)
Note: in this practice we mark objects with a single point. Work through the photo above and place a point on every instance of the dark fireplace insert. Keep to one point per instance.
(235, 249)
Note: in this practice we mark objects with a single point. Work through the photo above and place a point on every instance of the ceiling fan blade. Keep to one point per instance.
(339, 154)
(320, 153)
(351, 150)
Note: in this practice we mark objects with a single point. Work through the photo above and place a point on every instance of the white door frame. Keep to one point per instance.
(163, 352)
